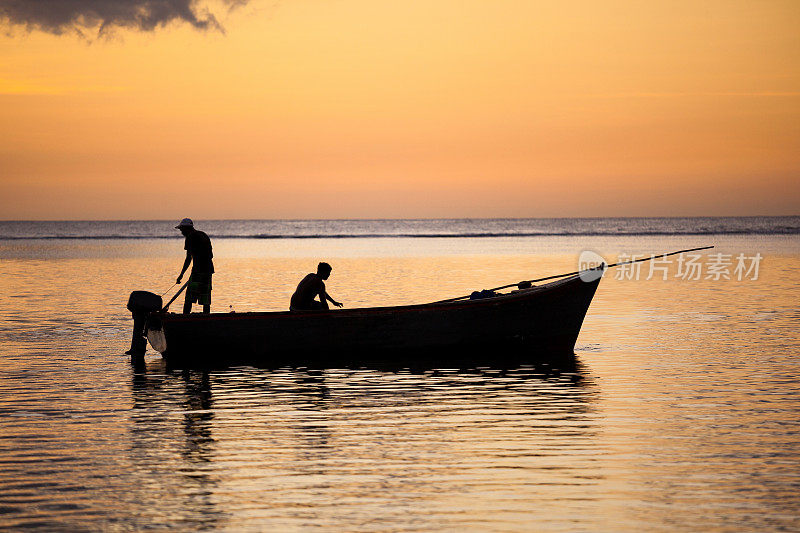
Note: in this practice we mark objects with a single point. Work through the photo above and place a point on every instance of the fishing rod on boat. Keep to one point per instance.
(166, 291)
(657, 255)
(176, 295)
(527, 284)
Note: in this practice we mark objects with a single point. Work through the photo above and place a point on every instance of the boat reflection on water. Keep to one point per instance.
(171, 442)
(298, 447)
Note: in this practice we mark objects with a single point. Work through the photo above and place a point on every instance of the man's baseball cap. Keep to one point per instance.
(185, 223)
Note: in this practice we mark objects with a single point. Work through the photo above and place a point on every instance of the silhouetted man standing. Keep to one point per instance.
(311, 286)
(199, 254)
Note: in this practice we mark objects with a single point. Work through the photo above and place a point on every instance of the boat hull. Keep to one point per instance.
(520, 327)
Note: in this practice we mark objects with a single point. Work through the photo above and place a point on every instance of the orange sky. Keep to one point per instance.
(430, 108)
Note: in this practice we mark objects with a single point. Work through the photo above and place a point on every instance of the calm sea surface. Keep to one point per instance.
(683, 414)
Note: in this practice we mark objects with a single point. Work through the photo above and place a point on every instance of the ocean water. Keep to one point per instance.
(442, 228)
(681, 413)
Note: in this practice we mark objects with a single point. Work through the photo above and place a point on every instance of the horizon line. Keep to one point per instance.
(392, 218)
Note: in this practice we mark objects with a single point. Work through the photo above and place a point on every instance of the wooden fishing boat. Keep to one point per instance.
(522, 326)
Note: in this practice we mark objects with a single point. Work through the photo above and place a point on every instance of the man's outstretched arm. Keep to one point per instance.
(329, 297)
(185, 265)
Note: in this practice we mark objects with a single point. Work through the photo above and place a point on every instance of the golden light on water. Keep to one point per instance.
(681, 413)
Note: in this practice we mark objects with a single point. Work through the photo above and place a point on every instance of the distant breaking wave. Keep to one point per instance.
(401, 229)
(787, 231)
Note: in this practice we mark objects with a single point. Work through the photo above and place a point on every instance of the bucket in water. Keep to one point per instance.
(157, 340)
(155, 334)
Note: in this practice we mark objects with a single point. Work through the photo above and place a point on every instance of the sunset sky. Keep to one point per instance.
(371, 108)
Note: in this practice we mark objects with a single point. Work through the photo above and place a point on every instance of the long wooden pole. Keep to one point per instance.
(575, 273)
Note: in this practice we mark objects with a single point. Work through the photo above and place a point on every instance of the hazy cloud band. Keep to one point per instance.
(60, 16)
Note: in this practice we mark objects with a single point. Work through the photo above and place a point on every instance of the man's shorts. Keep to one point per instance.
(199, 289)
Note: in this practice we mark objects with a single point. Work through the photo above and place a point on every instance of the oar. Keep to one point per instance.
(176, 295)
(526, 284)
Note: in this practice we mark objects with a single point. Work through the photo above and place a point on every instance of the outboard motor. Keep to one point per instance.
(141, 304)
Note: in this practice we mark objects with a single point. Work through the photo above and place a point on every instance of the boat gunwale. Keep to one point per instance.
(360, 311)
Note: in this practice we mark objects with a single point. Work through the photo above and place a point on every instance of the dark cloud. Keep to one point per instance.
(60, 16)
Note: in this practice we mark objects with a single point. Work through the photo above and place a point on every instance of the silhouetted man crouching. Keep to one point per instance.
(311, 286)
